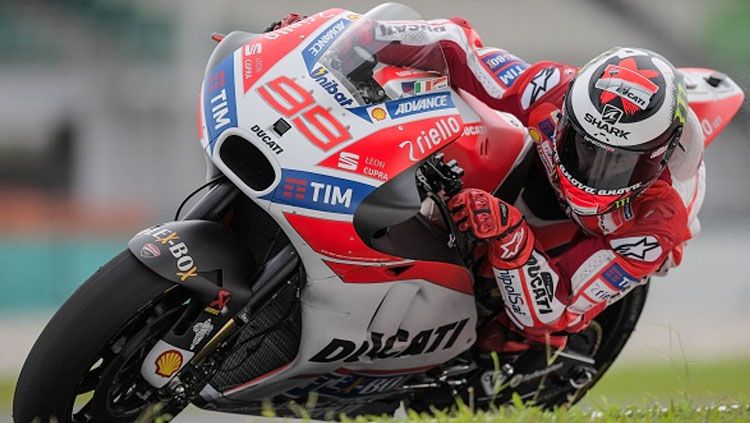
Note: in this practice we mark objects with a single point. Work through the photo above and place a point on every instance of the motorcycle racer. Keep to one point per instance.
(619, 154)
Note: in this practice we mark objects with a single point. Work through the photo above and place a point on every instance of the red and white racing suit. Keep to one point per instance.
(613, 252)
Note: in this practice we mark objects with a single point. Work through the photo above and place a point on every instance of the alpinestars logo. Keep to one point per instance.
(645, 248)
(541, 84)
(633, 85)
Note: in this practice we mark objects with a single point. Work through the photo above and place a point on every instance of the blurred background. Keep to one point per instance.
(98, 139)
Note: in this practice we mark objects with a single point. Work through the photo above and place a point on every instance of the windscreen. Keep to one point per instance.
(388, 36)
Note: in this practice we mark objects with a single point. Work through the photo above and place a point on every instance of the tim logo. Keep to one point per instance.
(294, 188)
(219, 105)
(611, 114)
(319, 192)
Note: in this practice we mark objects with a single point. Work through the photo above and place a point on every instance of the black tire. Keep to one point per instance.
(616, 323)
(124, 302)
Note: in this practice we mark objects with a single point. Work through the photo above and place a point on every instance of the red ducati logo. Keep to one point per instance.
(626, 81)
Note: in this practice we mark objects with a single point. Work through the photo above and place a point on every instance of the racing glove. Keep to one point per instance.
(510, 241)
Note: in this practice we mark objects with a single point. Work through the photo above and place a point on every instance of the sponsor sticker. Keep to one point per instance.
(349, 386)
(644, 248)
(547, 126)
(331, 86)
(606, 128)
(378, 113)
(430, 139)
(510, 74)
(540, 84)
(616, 276)
(630, 83)
(186, 267)
(423, 342)
(168, 363)
(319, 192)
(201, 329)
(219, 104)
(219, 303)
(266, 139)
(498, 59)
(421, 87)
(415, 32)
(509, 283)
(320, 44)
(415, 105)
(348, 161)
(150, 251)
(611, 114)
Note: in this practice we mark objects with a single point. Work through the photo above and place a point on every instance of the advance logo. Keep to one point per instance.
(313, 51)
(319, 192)
(414, 105)
(219, 105)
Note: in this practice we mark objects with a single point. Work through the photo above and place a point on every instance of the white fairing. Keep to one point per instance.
(396, 327)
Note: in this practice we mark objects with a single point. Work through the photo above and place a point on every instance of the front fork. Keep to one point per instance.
(205, 258)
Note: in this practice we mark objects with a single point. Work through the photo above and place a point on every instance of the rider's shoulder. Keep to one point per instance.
(542, 82)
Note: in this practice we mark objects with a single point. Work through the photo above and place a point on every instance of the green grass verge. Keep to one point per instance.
(642, 392)
(6, 393)
(696, 382)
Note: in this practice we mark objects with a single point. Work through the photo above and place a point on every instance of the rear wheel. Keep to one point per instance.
(548, 384)
(85, 366)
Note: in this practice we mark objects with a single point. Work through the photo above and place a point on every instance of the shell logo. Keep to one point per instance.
(378, 113)
(168, 362)
(535, 135)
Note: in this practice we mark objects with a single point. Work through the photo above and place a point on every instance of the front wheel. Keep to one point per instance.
(85, 365)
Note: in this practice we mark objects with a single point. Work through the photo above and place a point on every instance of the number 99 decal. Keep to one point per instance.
(312, 120)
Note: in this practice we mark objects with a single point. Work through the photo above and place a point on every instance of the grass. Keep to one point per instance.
(689, 391)
(697, 382)
(523, 413)
(6, 393)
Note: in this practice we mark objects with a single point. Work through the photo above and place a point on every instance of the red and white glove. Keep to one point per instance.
(489, 218)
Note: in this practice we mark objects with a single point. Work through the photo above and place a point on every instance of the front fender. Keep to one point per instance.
(203, 256)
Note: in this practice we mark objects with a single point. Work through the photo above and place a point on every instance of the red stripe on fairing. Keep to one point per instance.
(446, 275)
(262, 53)
(390, 150)
(256, 380)
(335, 238)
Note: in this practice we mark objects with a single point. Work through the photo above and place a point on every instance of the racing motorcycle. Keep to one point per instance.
(320, 271)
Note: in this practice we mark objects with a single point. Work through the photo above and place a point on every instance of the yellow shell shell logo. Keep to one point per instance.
(378, 113)
(168, 363)
(535, 135)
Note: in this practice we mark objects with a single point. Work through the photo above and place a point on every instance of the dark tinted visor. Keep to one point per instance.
(603, 167)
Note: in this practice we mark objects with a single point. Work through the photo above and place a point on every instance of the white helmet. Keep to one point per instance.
(622, 117)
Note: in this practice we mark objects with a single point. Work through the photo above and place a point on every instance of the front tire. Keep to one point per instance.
(85, 365)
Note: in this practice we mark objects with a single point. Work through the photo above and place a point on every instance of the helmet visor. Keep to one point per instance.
(604, 168)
